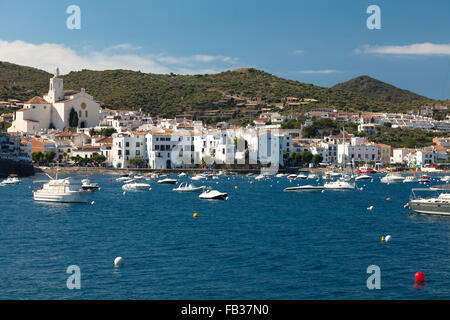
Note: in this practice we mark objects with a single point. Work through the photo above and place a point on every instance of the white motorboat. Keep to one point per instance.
(199, 177)
(213, 195)
(167, 181)
(292, 176)
(445, 179)
(339, 185)
(410, 179)
(306, 188)
(259, 177)
(88, 185)
(11, 180)
(363, 177)
(123, 177)
(182, 174)
(302, 176)
(62, 190)
(185, 187)
(136, 186)
(392, 178)
(280, 175)
(313, 176)
(436, 205)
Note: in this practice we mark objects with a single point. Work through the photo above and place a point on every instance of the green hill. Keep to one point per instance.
(378, 90)
(170, 94)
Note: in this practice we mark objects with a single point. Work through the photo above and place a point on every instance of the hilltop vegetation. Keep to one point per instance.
(170, 94)
(378, 90)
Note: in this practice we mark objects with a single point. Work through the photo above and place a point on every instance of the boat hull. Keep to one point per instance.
(430, 208)
(304, 189)
(80, 197)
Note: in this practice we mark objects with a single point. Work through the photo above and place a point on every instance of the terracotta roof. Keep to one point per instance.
(37, 100)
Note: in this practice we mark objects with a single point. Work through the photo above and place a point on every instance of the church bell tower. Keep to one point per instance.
(56, 89)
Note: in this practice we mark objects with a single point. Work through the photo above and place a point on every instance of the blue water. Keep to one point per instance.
(262, 243)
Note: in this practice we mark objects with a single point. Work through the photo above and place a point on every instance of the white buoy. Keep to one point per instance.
(118, 262)
(124, 193)
(323, 191)
(387, 238)
(370, 208)
(92, 202)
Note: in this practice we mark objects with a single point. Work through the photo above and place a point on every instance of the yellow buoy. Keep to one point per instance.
(382, 238)
(195, 215)
(235, 187)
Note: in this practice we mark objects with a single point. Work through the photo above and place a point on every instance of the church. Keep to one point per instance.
(53, 111)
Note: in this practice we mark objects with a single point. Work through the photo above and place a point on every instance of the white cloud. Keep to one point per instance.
(47, 56)
(426, 48)
(326, 71)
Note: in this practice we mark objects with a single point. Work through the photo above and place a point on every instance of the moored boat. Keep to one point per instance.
(167, 181)
(438, 204)
(11, 180)
(62, 190)
(136, 186)
(339, 185)
(213, 195)
(185, 187)
(305, 188)
(392, 178)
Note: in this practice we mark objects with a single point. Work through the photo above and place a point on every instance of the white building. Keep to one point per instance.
(127, 146)
(358, 150)
(53, 110)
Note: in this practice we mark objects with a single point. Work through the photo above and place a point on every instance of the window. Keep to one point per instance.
(79, 113)
(138, 152)
(127, 152)
(127, 144)
(86, 112)
(83, 106)
(119, 152)
(138, 144)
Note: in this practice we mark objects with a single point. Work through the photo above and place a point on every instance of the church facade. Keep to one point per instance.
(54, 109)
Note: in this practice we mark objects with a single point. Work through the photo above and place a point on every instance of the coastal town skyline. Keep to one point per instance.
(324, 43)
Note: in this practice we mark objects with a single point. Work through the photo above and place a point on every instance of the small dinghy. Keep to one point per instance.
(167, 181)
(213, 195)
(136, 186)
(363, 177)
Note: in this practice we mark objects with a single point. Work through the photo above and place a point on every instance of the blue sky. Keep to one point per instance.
(320, 42)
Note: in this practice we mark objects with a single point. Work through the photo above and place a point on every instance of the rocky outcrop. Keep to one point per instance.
(21, 168)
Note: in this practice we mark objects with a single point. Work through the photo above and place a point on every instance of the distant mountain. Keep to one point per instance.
(170, 94)
(376, 89)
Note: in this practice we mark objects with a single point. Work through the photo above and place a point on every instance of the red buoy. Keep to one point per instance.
(419, 276)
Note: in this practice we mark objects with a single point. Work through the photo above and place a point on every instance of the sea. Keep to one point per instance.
(261, 243)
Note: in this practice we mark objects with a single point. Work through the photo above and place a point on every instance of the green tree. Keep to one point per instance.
(98, 159)
(318, 158)
(73, 118)
(306, 156)
(137, 162)
(107, 132)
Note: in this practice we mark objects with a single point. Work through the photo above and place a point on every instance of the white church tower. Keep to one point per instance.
(56, 89)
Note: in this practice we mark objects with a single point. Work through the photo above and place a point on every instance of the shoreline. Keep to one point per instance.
(101, 170)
